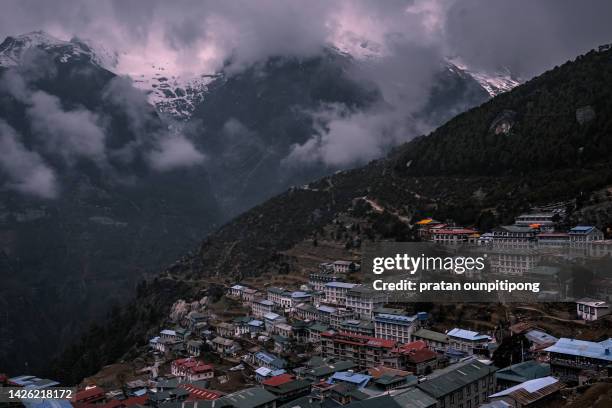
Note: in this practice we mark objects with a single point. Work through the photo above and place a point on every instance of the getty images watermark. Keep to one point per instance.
(425, 272)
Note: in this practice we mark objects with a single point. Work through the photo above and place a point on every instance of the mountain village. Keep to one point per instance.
(336, 342)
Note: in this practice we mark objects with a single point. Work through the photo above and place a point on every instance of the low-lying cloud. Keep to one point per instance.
(24, 170)
(62, 136)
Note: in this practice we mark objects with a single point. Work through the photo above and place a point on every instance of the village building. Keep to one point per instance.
(394, 327)
(194, 347)
(387, 378)
(516, 374)
(306, 311)
(354, 326)
(467, 341)
(514, 236)
(363, 350)
(552, 239)
(286, 387)
(324, 313)
(591, 309)
(364, 300)
(344, 266)
(236, 291)
(249, 295)
(572, 360)
(255, 397)
(435, 341)
(533, 393)
(224, 346)
(319, 369)
(545, 221)
(584, 234)
(260, 307)
(190, 369)
(339, 315)
(414, 357)
(454, 236)
(335, 292)
(317, 281)
(464, 384)
(280, 297)
(314, 332)
(268, 360)
(271, 320)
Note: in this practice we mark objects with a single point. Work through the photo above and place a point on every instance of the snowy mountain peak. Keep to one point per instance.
(494, 83)
(12, 49)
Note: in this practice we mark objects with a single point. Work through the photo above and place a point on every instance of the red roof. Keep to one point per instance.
(126, 403)
(412, 347)
(197, 393)
(278, 380)
(422, 355)
(193, 365)
(91, 394)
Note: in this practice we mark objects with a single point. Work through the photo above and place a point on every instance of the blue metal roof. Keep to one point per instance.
(582, 348)
(399, 319)
(340, 285)
(582, 229)
(468, 335)
(360, 380)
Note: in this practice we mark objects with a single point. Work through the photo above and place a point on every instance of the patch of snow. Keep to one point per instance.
(12, 49)
(494, 83)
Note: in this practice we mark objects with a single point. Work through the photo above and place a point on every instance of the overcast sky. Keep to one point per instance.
(527, 36)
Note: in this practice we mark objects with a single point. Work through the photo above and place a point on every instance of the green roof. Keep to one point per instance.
(528, 370)
(387, 379)
(415, 398)
(431, 335)
(249, 398)
(289, 386)
(328, 369)
(456, 377)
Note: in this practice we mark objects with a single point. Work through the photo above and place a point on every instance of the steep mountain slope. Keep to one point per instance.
(252, 119)
(456, 181)
(80, 222)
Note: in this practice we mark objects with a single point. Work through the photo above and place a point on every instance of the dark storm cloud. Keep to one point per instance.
(408, 37)
(526, 36)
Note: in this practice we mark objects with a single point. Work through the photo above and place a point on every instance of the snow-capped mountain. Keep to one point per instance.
(493, 82)
(173, 95)
(13, 49)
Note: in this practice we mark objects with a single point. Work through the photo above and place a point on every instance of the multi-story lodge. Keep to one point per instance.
(364, 300)
(192, 369)
(279, 296)
(354, 326)
(394, 327)
(584, 234)
(318, 280)
(260, 307)
(338, 316)
(544, 220)
(514, 261)
(514, 236)
(434, 340)
(571, 359)
(364, 351)
(452, 236)
(467, 340)
(552, 239)
(592, 309)
(463, 385)
(335, 292)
